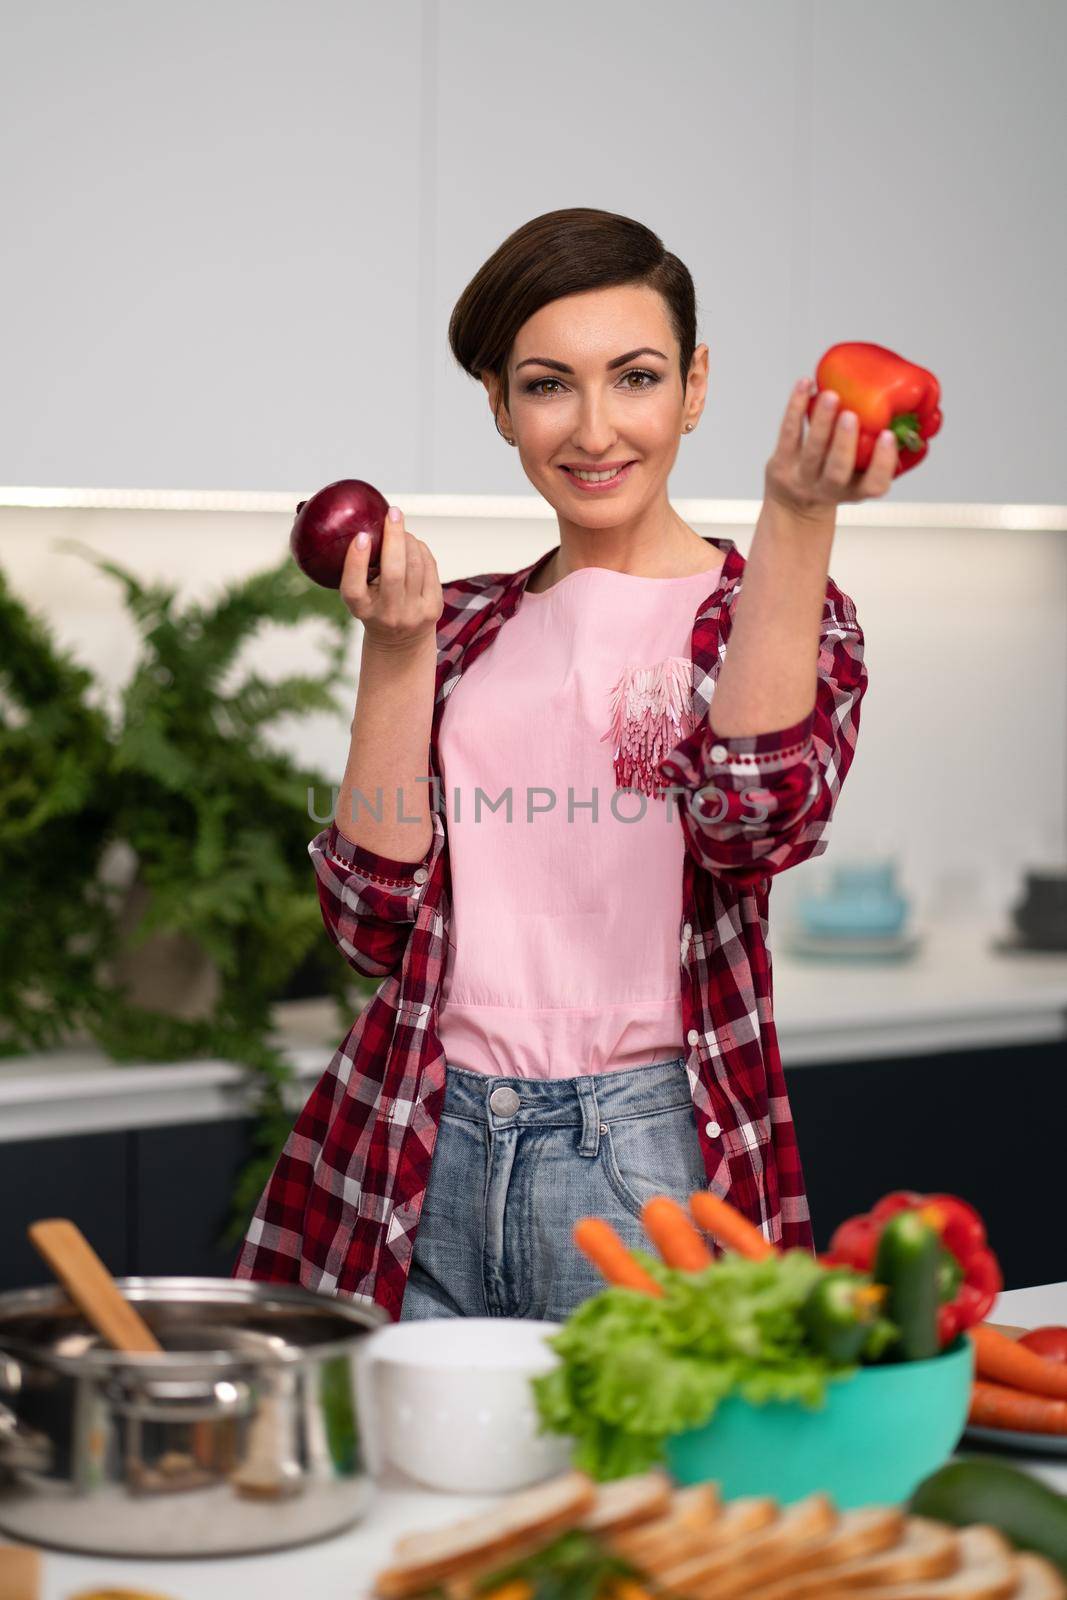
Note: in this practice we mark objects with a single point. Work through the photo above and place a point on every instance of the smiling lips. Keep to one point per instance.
(600, 484)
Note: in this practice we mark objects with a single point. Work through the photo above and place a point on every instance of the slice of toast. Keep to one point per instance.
(669, 1540)
(619, 1497)
(855, 1534)
(987, 1570)
(925, 1550)
(718, 1564)
(684, 1526)
(1037, 1579)
(531, 1516)
(858, 1533)
(519, 1504)
(697, 1503)
(628, 1502)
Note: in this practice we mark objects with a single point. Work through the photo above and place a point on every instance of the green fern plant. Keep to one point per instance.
(57, 802)
(217, 817)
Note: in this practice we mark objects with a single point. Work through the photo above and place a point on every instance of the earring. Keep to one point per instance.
(687, 427)
(510, 441)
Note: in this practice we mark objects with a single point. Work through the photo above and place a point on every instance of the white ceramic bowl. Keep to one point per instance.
(448, 1401)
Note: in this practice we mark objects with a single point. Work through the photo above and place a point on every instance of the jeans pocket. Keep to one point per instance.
(658, 1153)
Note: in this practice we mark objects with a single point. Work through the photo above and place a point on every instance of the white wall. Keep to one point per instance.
(233, 232)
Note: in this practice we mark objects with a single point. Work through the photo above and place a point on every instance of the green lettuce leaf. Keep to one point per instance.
(635, 1369)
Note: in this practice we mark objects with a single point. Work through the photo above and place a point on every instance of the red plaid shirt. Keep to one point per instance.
(340, 1211)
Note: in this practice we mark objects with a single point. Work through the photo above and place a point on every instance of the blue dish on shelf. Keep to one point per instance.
(862, 901)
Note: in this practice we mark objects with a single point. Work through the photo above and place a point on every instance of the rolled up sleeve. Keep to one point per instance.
(752, 805)
(370, 902)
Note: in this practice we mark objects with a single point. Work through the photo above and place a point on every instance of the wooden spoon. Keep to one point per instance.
(91, 1286)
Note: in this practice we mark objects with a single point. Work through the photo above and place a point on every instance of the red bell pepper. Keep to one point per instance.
(855, 1242)
(971, 1291)
(884, 391)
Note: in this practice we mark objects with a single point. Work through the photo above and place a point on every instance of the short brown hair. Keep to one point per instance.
(556, 254)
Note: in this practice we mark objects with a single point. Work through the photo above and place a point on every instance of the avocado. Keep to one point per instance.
(1026, 1511)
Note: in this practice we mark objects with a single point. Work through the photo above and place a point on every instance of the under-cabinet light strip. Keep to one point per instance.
(726, 513)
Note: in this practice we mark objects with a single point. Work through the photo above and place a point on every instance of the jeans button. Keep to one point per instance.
(504, 1101)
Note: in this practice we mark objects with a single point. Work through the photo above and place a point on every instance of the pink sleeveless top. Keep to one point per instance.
(566, 890)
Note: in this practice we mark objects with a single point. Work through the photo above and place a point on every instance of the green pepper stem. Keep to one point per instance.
(906, 428)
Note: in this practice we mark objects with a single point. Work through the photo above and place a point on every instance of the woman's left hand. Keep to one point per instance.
(812, 472)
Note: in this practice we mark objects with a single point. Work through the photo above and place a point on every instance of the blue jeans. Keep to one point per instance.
(518, 1160)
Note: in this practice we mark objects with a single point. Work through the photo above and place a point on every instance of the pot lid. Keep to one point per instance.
(204, 1324)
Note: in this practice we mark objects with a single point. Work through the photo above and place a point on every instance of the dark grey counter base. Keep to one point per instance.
(984, 1124)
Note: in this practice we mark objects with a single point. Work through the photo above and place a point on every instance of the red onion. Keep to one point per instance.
(327, 523)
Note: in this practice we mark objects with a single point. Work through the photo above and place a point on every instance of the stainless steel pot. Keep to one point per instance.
(243, 1436)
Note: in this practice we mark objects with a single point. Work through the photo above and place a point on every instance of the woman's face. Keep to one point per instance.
(573, 403)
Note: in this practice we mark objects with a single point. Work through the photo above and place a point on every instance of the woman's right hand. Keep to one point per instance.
(400, 607)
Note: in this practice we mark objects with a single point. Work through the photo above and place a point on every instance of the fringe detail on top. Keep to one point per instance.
(651, 713)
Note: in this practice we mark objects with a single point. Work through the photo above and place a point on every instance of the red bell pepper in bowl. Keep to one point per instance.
(973, 1277)
(884, 391)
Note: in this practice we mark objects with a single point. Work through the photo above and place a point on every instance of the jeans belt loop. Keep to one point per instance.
(590, 1141)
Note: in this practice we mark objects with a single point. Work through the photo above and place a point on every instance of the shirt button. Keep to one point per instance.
(712, 1129)
(719, 752)
(420, 874)
(504, 1101)
(693, 1036)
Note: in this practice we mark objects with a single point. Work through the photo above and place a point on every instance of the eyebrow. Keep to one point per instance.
(559, 366)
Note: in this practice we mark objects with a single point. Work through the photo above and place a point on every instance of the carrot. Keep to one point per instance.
(598, 1240)
(1004, 1360)
(726, 1224)
(673, 1235)
(995, 1405)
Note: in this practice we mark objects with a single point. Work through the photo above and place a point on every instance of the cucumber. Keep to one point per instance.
(908, 1263)
(1026, 1511)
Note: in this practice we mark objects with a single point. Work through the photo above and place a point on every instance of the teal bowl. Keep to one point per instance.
(878, 1435)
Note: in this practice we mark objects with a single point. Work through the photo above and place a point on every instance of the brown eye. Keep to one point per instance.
(635, 372)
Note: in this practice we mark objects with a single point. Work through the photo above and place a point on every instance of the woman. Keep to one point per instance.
(575, 1010)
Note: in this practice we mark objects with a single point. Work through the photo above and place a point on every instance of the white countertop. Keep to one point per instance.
(957, 991)
(342, 1568)
(960, 989)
